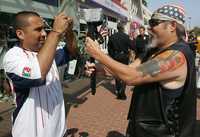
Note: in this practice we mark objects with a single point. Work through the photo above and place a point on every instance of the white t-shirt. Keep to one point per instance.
(40, 108)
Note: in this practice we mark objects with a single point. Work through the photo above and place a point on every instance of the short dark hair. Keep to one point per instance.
(142, 27)
(20, 19)
(120, 26)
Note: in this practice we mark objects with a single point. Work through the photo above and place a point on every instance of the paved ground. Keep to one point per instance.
(5, 121)
(71, 90)
(101, 115)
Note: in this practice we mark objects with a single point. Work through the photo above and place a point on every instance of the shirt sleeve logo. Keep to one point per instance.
(26, 72)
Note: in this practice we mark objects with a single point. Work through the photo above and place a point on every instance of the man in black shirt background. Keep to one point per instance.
(119, 45)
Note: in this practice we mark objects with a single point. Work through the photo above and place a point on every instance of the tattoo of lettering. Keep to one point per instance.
(167, 61)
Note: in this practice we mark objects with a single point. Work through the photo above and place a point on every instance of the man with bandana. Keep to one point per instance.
(164, 100)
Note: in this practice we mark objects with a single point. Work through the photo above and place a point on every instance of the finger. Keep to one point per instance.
(90, 65)
(88, 73)
(96, 42)
(91, 69)
(88, 42)
(87, 62)
(85, 67)
(88, 39)
(70, 19)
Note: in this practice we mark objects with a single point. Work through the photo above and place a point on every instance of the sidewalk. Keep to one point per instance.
(71, 90)
(5, 114)
(101, 115)
(87, 114)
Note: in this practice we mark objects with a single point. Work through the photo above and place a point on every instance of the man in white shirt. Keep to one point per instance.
(32, 71)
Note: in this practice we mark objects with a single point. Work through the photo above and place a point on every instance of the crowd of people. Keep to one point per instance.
(164, 95)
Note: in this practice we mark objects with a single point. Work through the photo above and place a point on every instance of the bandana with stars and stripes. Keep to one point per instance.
(170, 12)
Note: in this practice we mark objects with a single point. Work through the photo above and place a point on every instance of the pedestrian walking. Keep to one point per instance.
(31, 68)
(119, 45)
(164, 98)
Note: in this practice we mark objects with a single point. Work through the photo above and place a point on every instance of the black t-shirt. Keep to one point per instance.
(141, 43)
(118, 42)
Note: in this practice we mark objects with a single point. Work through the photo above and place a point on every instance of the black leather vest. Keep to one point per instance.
(156, 113)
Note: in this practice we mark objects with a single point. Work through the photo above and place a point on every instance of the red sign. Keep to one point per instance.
(119, 3)
(134, 25)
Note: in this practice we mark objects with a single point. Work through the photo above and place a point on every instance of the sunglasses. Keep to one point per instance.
(155, 22)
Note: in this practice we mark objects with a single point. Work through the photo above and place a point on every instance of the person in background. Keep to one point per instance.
(119, 45)
(164, 98)
(192, 40)
(5, 94)
(31, 68)
(141, 42)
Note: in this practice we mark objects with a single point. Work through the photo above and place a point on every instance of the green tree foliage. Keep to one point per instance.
(196, 30)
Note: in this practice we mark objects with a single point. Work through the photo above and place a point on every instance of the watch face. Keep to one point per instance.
(144, 38)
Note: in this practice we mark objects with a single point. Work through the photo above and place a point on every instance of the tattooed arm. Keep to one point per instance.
(167, 61)
(168, 66)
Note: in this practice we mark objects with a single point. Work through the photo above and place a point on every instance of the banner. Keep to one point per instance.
(112, 6)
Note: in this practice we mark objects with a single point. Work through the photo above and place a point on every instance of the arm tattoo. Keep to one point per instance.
(167, 61)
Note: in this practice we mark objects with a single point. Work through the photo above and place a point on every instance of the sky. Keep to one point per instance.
(192, 9)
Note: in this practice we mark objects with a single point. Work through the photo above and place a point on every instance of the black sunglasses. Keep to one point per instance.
(155, 22)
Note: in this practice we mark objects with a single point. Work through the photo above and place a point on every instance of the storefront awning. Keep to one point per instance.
(112, 6)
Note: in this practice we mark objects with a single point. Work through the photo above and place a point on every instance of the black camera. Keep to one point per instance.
(94, 18)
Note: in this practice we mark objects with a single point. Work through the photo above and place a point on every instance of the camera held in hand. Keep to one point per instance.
(94, 18)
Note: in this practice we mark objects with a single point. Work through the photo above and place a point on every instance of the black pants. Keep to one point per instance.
(1, 80)
(120, 87)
